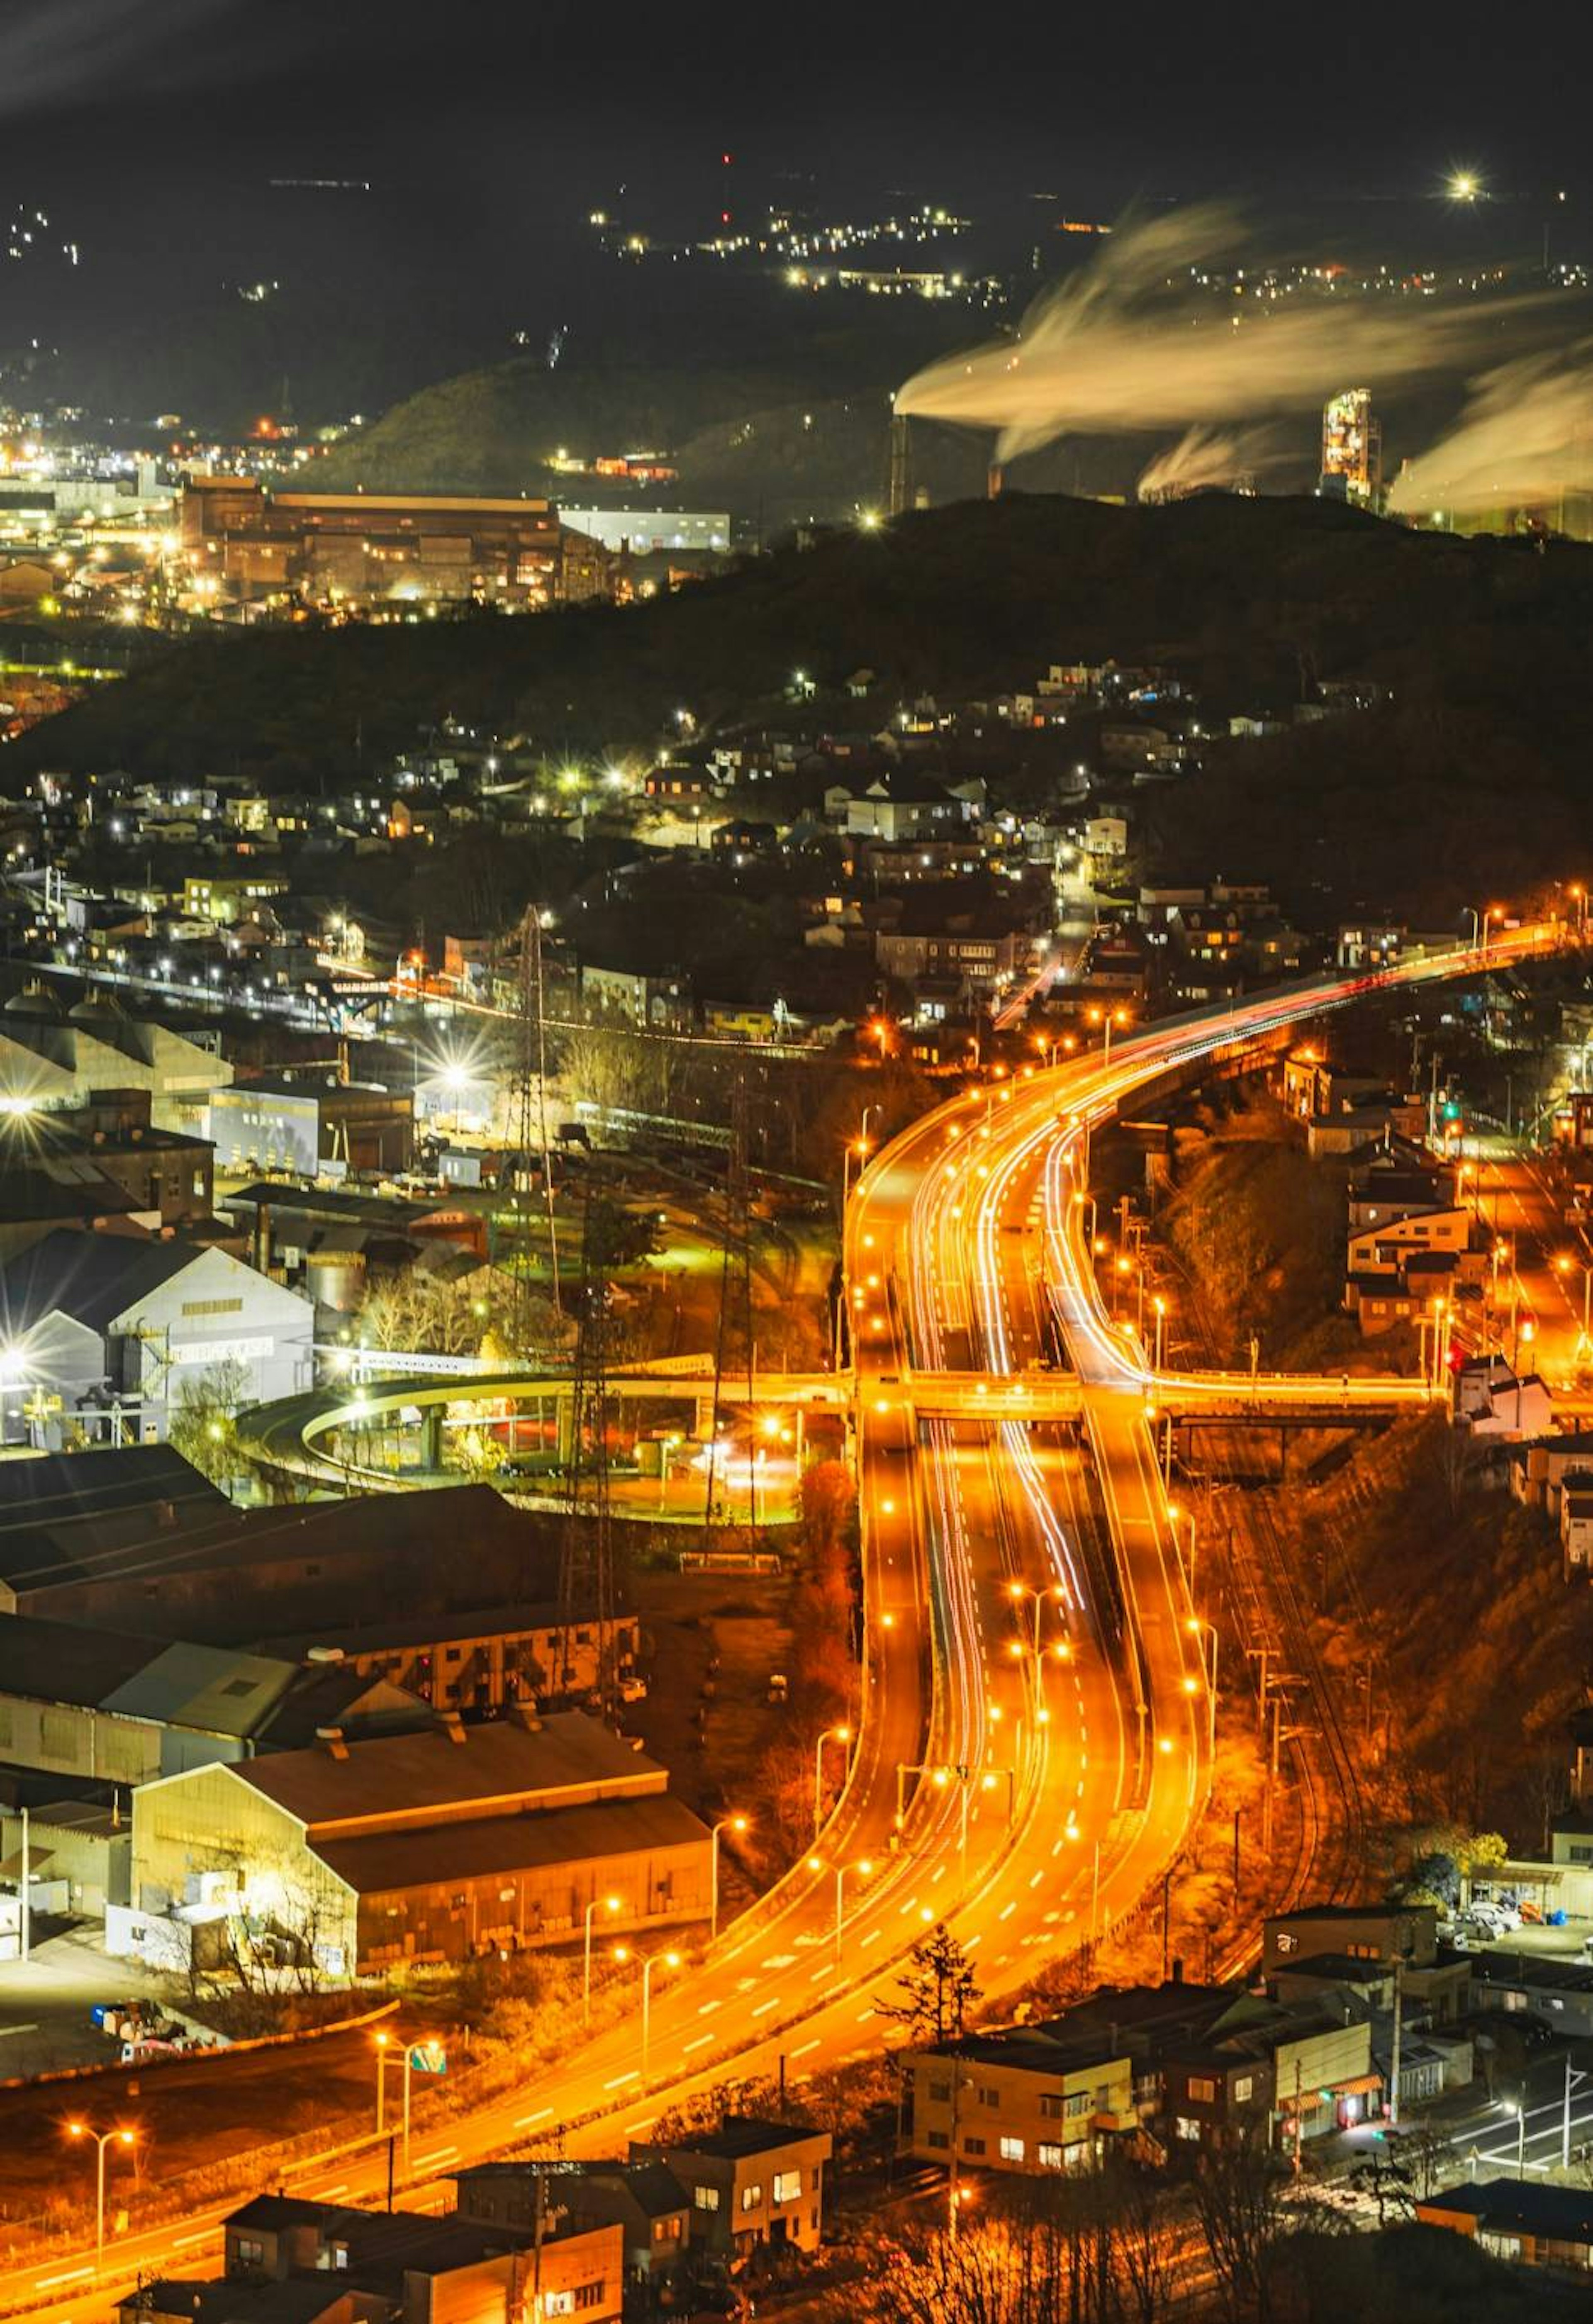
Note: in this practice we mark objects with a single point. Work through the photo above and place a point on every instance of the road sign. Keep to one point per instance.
(428, 2058)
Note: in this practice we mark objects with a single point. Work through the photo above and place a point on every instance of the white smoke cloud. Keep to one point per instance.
(1205, 456)
(1524, 438)
(57, 53)
(1130, 344)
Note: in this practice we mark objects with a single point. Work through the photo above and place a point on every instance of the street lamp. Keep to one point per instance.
(411, 2051)
(1160, 1305)
(1018, 1591)
(649, 1962)
(827, 1735)
(726, 1823)
(1109, 1017)
(862, 1868)
(102, 2139)
(609, 1904)
(1174, 1513)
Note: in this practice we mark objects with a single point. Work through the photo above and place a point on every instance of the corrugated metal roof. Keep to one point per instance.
(207, 1687)
(395, 1776)
(440, 1852)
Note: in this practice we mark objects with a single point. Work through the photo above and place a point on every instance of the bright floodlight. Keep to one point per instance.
(1464, 186)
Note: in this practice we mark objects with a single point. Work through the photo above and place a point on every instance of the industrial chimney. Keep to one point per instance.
(899, 495)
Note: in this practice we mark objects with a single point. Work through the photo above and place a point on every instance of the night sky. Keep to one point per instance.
(526, 101)
(152, 131)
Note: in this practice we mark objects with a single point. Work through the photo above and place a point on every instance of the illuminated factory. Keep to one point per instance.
(1352, 449)
(250, 545)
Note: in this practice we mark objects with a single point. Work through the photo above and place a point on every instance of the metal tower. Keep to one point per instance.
(586, 1551)
(532, 1121)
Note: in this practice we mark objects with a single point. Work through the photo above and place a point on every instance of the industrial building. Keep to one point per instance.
(120, 1709)
(1352, 448)
(645, 532)
(296, 1123)
(430, 1847)
(100, 1333)
(53, 1055)
(480, 1660)
(241, 538)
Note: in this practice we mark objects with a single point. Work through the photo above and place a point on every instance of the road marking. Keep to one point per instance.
(635, 2129)
(73, 2276)
(701, 2043)
(620, 2080)
(425, 2161)
(199, 2236)
(1007, 1911)
(328, 2192)
(872, 1936)
(764, 2006)
(778, 1961)
(864, 2016)
(524, 2121)
(806, 2046)
(7, 2030)
(1035, 1878)
(706, 2010)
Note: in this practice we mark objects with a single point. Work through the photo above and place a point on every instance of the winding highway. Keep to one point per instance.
(1035, 1728)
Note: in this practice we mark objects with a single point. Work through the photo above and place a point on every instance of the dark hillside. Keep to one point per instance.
(1481, 758)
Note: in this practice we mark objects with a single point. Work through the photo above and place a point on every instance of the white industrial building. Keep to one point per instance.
(103, 1331)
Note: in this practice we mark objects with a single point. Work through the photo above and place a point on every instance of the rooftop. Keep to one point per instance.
(502, 1764)
(377, 1862)
(1519, 2207)
(92, 1278)
(742, 2134)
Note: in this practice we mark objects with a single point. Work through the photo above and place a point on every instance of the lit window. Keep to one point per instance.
(787, 2186)
(705, 2199)
(1012, 2150)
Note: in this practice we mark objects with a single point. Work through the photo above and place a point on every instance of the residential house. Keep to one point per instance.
(1035, 2098)
(750, 2183)
(1576, 1526)
(649, 2205)
(419, 2269)
(1521, 2219)
(1541, 1470)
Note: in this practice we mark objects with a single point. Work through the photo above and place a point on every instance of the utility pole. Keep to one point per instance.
(531, 1123)
(586, 1555)
(1399, 1991)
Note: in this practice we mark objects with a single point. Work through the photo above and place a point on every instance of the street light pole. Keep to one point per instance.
(726, 1823)
(102, 2139)
(670, 1960)
(609, 1905)
(826, 1735)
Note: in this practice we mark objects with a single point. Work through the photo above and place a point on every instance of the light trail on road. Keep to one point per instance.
(1071, 1785)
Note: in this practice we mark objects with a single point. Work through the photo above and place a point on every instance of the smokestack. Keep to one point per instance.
(899, 495)
(992, 481)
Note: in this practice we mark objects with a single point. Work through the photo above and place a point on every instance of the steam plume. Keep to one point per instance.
(1117, 347)
(1524, 438)
(1205, 456)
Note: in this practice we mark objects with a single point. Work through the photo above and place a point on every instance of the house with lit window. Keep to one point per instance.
(1035, 2098)
(750, 2183)
(1519, 2219)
